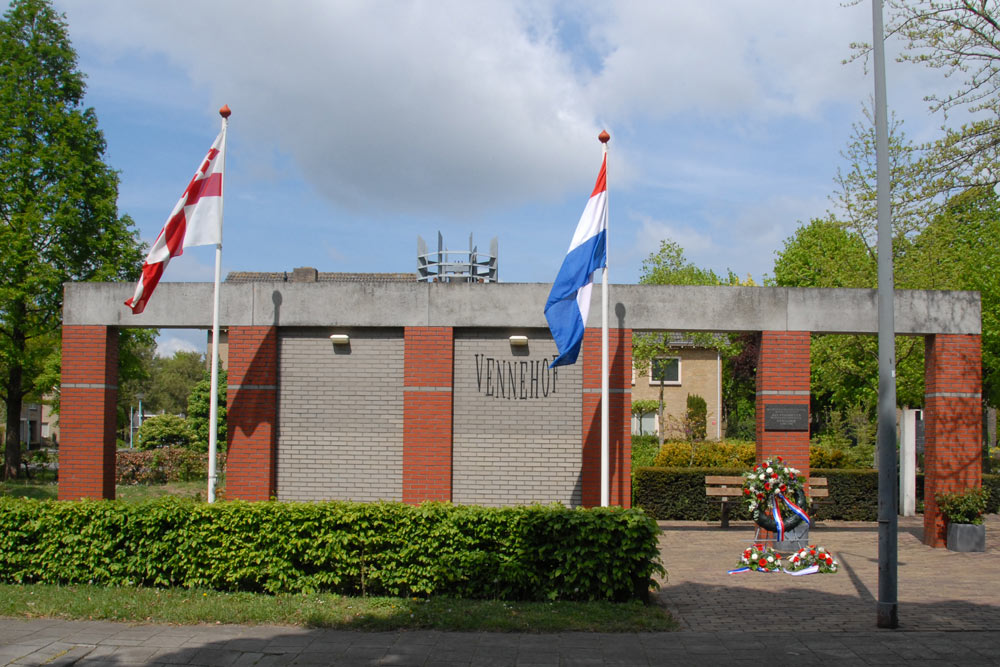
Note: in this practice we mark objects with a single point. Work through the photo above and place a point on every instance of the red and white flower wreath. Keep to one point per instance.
(811, 556)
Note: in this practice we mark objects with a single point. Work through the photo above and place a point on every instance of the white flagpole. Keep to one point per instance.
(213, 411)
(604, 137)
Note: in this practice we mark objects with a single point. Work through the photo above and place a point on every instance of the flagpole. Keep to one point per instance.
(604, 137)
(213, 411)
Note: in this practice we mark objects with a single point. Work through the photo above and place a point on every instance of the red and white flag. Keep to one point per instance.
(196, 220)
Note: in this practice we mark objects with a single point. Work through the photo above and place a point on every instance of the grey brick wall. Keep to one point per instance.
(521, 443)
(340, 416)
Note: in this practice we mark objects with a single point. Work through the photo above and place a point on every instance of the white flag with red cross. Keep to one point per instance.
(196, 220)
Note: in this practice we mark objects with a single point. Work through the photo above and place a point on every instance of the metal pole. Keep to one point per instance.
(605, 366)
(213, 405)
(887, 615)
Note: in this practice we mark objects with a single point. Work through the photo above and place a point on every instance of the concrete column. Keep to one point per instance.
(620, 416)
(252, 413)
(952, 423)
(908, 463)
(88, 414)
(783, 380)
(428, 381)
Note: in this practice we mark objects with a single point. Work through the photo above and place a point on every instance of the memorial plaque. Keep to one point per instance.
(786, 417)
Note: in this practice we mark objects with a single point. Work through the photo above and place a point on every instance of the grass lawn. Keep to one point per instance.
(152, 605)
(48, 490)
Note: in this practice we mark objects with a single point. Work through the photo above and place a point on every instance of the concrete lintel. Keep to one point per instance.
(678, 308)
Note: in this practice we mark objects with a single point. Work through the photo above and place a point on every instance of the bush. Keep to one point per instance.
(829, 450)
(159, 466)
(644, 450)
(679, 494)
(164, 431)
(697, 417)
(524, 553)
(710, 454)
(963, 507)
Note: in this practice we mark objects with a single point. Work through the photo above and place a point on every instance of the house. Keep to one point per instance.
(686, 369)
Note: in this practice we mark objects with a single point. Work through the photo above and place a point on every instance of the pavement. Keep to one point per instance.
(949, 614)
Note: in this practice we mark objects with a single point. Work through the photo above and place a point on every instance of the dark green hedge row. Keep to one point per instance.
(679, 493)
(524, 553)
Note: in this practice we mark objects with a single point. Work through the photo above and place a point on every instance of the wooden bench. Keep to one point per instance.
(729, 489)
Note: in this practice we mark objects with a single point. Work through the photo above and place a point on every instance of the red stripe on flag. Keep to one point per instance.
(203, 187)
(602, 178)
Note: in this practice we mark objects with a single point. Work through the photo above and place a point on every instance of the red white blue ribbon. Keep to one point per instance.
(792, 506)
(779, 524)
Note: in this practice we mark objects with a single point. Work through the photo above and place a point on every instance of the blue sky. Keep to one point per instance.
(358, 126)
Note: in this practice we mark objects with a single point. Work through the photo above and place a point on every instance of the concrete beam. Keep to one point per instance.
(505, 305)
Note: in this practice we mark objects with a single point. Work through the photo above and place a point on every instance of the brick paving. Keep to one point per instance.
(937, 589)
(949, 609)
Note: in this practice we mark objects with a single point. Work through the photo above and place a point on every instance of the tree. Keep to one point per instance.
(199, 408)
(171, 381)
(669, 266)
(961, 38)
(58, 215)
(962, 243)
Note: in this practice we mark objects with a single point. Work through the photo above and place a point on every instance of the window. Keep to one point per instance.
(666, 370)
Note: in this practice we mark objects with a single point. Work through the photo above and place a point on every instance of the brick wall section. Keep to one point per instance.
(783, 379)
(619, 415)
(88, 412)
(427, 408)
(952, 423)
(514, 443)
(340, 434)
(251, 413)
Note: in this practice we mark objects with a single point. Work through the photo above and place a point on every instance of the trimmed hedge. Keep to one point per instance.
(679, 494)
(516, 553)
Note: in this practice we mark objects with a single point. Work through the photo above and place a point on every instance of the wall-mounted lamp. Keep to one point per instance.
(518, 341)
(340, 339)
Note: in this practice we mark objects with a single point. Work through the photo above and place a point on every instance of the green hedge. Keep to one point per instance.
(679, 494)
(524, 553)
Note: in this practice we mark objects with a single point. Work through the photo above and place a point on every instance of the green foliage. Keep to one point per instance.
(199, 408)
(164, 431)
(171, 381)
(58, 212)
(709, 454)
(697, 416)
(515, 553)
(965, 506)
(644, 450)
(644, 406)
(160, 466)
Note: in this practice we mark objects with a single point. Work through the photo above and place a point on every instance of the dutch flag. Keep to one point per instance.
(569, 301)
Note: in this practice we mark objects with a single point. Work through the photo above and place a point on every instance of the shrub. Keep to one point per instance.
(644, 450)
(697, 417)
(169, 464)
(164, 431)
(529, 553)
(722, 453)
(963, 507)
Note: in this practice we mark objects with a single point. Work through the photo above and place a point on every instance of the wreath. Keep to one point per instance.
(812, 556)
(775, 496)
(759, 558)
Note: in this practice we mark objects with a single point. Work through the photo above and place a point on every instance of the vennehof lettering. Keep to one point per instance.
(513, 379)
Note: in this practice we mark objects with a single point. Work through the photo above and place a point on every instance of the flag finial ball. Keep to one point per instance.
(604, 137)
(225, 111)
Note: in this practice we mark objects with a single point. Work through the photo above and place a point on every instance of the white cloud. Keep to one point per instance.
(181, 340)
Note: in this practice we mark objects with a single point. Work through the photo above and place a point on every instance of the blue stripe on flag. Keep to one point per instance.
(561, 310)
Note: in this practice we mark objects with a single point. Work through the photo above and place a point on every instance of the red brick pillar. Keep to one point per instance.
(783, 380)
(88, 413)
(952, 423)
(619, 415)
(428, 382)
(251, 413)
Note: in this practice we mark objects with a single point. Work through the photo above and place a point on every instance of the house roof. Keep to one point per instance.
(307, 274)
